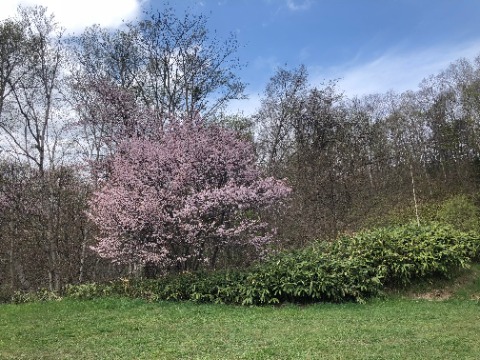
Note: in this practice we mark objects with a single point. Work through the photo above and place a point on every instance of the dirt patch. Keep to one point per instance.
(434, 295)
(460, 285)
(475, 297)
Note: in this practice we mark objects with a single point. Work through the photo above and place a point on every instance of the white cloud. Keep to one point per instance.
(247, 107)
(397, 69)
(296, 5)
(75, 15)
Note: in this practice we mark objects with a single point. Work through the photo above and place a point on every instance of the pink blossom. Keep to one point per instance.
(183, 198)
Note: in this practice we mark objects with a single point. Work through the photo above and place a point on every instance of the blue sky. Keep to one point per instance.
(370, 45)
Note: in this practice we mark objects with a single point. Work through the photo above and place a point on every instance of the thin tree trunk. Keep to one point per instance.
(82, 256)
(414, 195)
(16, 267)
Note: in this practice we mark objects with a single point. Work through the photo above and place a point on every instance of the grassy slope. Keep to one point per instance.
(463, 285)
(128, 329)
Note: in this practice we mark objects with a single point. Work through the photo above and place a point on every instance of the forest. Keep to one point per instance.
(118, 158)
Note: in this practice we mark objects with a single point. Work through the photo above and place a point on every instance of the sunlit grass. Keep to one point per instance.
(129, 329)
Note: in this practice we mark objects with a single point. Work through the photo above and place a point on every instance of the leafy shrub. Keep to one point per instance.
(304, 276)
(218, 287)
(310, 275)
(460, 212)
(88, 291)
(352, 268)
(21, 297)
(223, 287)
(357, 267)
(401, 254)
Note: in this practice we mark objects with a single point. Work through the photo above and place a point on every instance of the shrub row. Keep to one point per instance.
(352, 268)
(406, 253)
(295, 277)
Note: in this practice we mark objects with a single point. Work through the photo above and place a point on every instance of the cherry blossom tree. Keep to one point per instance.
(179, 202)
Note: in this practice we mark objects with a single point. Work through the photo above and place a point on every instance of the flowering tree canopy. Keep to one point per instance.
(179, 201)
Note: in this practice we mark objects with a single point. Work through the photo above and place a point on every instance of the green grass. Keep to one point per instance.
(132, 329)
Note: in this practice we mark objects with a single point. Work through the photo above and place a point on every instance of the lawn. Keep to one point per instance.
(133, 329)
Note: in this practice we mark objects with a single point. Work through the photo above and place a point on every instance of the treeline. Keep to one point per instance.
(67, 102)
(352, 161)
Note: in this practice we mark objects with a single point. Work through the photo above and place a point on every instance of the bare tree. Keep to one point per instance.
(172, 65)
(32, 126)
(275, 120)
(30, 122)
(11, 55)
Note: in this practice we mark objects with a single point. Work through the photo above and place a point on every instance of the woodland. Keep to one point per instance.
(118, 159)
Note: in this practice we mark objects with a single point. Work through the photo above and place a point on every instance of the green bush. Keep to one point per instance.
(404, 253)
(88, 291)
(218, 287)
(310, 275)
(304, 276)
(353, 268)
(460, 212)
(359, 266)
(21, 297)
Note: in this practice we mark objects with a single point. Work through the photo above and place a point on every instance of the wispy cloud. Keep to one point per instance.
(246, 107)
(266, 63)
(75, 15)
(296, 5)
(396, 69)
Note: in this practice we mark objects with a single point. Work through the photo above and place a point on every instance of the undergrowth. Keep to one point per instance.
(353, 268)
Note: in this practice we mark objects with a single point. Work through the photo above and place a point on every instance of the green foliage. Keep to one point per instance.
(404, 253)
(310, 275)
(353, 268)
(88, 291)
(216, 287)
(301, 277)
(20, 297)
(460, 212)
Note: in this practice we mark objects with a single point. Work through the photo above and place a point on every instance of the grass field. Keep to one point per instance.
(132, 329)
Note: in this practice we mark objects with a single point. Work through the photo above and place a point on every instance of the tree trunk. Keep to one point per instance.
(414, 195)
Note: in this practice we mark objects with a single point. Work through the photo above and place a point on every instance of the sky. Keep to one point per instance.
(370, 46)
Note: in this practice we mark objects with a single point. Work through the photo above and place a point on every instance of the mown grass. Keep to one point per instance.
(132, 329)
